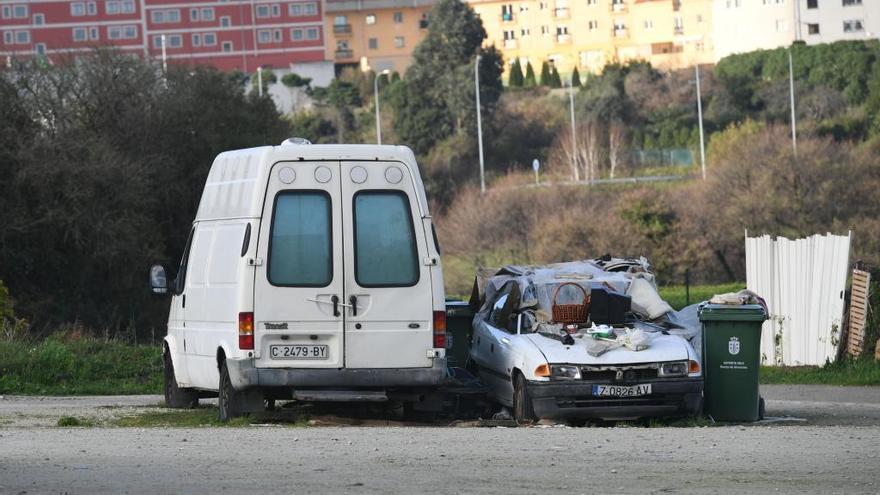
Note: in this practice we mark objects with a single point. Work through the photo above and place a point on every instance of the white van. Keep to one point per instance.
(312, 272)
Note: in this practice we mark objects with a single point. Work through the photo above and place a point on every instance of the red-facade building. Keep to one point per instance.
(231, 34)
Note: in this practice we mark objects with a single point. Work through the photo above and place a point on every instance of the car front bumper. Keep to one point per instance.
(575, 400)
(244, 375)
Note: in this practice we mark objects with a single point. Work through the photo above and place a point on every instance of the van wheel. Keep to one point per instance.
(230, 402)
(522, 403)
(176, 397)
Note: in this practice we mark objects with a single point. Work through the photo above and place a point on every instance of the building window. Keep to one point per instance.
(80, 34)
(39, 19)
(524, 32)
(77, 9)
(373, 43)
(310, 8)
(398, 17)
(848, 3)
(813, 28)
(561, 30)
(7, 37)
(264, 36)
(22, 37)
(276, 10)
(196, 40)
(296, 34)
(853, 26)
(277, 35)
(194, 15)
(7, 13)
(523, 7)
(209, 39)
(263, 11)
(92, 8)
(129, 32)
(115, 7)
(166, 16)
(649, 24)
(41, 49)
(340, 20)
(312, 33)
(341, 45)
(371, 19)
(678, 25)
(114, 33)
(545, 30)
(294, 10)
(699, 19)
(398, 42)
(781, 25)
(158, 16)
(20, 11)
(812, 4)
(593, 25)
(507, 13)
(174, 40)
(122, 32)
(225, 21)
(208, 14)
(227, 46)
(592, 2)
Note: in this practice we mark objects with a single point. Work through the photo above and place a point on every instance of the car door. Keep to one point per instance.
(298, 285)
(177, 315)
(388, 284)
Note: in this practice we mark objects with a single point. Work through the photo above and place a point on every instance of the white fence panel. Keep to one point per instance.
(803, 282)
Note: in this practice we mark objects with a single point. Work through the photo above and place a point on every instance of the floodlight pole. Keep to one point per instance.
(260, 80)
(479, 125)
(376, 94)
(577, 175)
(791, 92)
(164, 57)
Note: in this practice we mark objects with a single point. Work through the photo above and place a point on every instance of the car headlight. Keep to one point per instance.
(678, 368)
(565, 372)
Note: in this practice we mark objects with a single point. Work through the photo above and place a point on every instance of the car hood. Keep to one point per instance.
(661, 348)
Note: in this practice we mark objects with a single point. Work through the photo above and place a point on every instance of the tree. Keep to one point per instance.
(555, 80)
(395, 76)
(545, 74)
(576, 78)
(268, 76)
(529, 81)
(342, 96)
(516, 75)
(437, 97)
(294, 80)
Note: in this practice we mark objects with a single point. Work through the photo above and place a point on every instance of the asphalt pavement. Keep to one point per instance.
(819, 440)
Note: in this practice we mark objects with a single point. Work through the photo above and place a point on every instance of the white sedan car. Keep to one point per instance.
(544, 376)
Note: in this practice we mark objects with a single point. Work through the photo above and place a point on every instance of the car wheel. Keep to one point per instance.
(176, 397)
(761, 408)
(522, 403)
(230, 401)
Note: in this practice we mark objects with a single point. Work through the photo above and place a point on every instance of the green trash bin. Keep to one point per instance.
(731, 360)
(459, 319)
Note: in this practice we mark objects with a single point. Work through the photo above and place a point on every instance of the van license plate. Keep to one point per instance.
(298, 351)
(621, 391)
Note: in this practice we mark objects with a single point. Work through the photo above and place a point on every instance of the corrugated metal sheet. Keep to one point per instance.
(803, 282)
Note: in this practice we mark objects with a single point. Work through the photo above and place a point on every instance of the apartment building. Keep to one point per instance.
(746, 25)
(229, 34)
(588, 34)
(375, 34)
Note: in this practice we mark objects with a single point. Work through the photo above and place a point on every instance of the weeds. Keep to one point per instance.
(68, 421)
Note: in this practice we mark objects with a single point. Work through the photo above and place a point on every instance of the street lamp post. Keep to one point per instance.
(700, 123)
(260, 80)
(574, 166)
(376, 94)
(791, 92)
(479, 125)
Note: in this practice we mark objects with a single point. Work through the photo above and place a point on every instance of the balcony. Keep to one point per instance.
(618, 7)
(509, 44)
(678, 30)
(342, 29)
(507, 17)
(562, 13)
(344, 53)
(563, 39)
(620, 32)
(424, 23)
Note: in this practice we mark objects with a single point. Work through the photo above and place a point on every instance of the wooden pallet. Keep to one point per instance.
(858, 312)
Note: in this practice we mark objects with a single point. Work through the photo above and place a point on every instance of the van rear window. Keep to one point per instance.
(385, 241)
(301, 242)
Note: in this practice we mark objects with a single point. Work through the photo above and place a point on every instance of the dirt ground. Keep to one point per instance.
(819, 440)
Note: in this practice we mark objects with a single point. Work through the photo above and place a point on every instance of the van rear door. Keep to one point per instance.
(298, 286)
(387, 284)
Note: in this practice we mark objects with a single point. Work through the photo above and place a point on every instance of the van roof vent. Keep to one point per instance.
(295, 141)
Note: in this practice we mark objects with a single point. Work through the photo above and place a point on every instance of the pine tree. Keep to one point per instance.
(516, 75)
(545, 74)
(576, 78)
(555, 80)
(395, 76)
(529, 81)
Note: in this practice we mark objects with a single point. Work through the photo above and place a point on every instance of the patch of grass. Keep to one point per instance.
(66, 421)
(695, 422)
(189, 418)
(852, 372)
(83, 366)
(676, 297)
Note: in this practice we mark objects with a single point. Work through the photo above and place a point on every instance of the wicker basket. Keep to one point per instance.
(571, 313)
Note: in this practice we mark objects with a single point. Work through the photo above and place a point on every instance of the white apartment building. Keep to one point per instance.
(740, 26)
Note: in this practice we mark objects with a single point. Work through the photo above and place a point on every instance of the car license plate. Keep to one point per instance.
(298, 351)
(621, 390)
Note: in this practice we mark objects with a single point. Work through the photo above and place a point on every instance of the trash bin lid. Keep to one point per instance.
(727, 312)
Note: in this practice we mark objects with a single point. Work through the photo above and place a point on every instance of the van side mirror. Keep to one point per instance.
(158, 280)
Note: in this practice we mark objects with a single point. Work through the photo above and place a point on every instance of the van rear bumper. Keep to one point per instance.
(244, 375)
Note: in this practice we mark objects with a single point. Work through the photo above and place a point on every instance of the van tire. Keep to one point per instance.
(523, 412)
(229, 400)
(175, 396)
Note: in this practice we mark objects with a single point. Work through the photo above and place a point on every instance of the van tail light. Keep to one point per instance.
(439, 329)
(246, 331)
